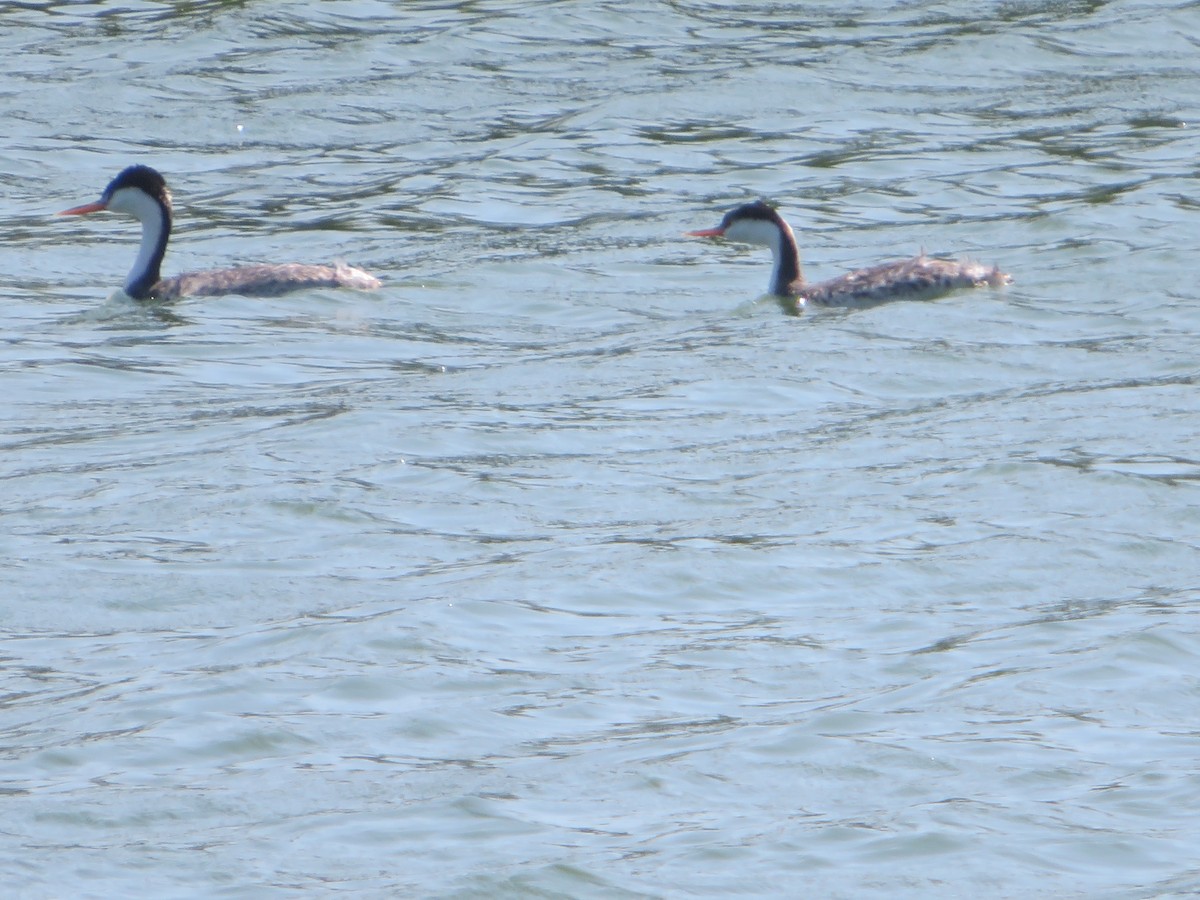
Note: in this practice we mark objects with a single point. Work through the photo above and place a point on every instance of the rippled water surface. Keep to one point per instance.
(566, 564)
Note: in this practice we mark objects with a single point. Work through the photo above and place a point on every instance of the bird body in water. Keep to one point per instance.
(919, 278)
(141, 192)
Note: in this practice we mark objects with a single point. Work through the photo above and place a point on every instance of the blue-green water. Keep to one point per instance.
(564, 565)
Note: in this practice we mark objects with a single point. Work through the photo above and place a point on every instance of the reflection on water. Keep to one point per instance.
(567, 564)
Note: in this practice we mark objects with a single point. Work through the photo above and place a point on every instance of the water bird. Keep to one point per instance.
(141, 192)
(919, 278)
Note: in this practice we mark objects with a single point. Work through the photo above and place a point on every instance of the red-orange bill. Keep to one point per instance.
(707, 232)
(83, 210)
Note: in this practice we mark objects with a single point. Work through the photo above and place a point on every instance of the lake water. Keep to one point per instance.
(566, 565)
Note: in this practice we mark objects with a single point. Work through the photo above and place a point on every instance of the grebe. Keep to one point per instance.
(919, 278)
(141, 192)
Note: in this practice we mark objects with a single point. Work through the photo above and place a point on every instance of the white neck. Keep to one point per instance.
(156, 229)
(777, 236)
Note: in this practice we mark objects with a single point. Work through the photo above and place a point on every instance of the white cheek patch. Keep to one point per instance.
(754, 231)
(134, 202)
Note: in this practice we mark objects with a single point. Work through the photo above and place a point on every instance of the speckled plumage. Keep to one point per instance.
(919, 278)
(262, 281)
